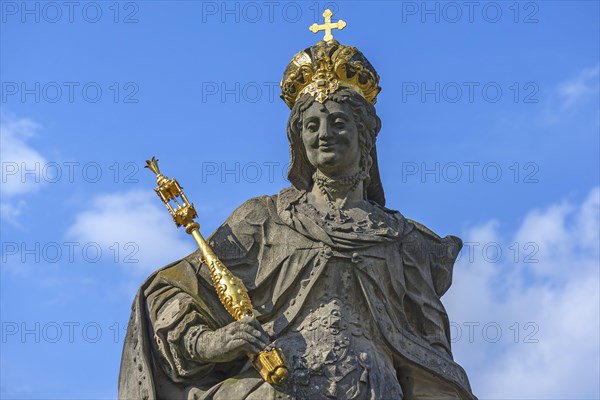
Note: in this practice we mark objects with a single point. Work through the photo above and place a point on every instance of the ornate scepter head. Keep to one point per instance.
(169, 190)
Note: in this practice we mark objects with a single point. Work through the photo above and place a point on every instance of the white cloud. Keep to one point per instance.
(544, 300)
(15, 151)
(17, 156)
(139, 225)
(572, 98)
(583, 86)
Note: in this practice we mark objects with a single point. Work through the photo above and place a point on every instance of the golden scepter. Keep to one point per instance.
(230, 289)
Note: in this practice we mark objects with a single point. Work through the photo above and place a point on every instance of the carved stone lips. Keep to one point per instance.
(327, 146)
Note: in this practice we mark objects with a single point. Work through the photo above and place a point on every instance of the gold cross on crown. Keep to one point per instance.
(327, 26)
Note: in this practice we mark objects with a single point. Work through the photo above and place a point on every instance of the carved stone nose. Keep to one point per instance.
(324, 132)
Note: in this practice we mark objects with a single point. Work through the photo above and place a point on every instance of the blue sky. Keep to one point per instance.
(490, 132)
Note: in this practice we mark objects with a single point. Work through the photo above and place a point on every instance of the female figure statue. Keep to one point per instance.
(348, 289)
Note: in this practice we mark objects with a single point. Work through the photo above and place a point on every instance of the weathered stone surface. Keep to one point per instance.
(348, 289)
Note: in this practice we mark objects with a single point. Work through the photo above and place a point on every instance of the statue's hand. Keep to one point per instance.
(231, 341)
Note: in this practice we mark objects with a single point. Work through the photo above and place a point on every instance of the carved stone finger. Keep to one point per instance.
(246, 346)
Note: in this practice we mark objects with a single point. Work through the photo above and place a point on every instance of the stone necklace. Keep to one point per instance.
(335, 185)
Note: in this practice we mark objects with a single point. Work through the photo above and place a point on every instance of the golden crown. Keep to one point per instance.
(327, 67)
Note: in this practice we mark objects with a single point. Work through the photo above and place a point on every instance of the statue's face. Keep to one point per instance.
(330, 137)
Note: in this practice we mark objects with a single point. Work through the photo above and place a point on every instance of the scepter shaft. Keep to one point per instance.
(230, 289)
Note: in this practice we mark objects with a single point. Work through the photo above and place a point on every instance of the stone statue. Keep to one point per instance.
(348, 290)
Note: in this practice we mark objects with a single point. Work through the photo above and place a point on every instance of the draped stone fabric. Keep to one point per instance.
(282, 249)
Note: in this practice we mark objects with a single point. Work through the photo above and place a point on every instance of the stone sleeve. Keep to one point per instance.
(176, 321)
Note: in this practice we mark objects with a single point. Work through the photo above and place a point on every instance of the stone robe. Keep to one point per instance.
(280, 247)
